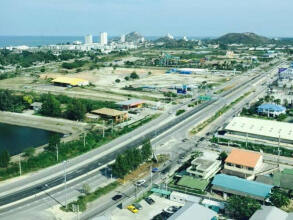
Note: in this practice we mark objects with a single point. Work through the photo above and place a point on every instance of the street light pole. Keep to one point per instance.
(65, 180)
(57, 153)
(103, 128)
(19, 162)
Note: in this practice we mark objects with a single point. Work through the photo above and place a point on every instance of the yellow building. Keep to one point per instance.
(68, 81)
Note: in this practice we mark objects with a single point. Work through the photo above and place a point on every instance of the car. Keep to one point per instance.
(184, 140)
(149, 200)
(155, 169)
(140, 182)
(132, 209)
(137, 206)
(116, 197)
(201, 139)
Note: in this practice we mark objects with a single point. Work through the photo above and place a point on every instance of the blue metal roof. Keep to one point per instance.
(242, 185)
(271, 107)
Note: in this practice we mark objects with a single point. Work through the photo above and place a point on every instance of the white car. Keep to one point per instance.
(140, 182)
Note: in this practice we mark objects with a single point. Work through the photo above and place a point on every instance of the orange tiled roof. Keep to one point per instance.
(243, 157)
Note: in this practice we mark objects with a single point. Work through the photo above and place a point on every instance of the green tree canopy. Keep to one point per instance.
(242, 208)
(4, 159)
(76, 110)
(146, 150)
(51, 106)
(279, 198)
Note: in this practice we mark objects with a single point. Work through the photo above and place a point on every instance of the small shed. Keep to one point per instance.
(36, 106)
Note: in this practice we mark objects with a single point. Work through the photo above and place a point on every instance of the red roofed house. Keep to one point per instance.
(243, 163)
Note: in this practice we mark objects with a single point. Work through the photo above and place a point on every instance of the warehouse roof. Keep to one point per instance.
(190, 210)
(108, 111)
(271, 107)
(131, 102)
(261, 127)
(237, 184)
(243, 157)
(270, 213)
(69, 80)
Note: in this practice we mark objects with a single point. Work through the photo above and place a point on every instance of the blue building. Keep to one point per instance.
(232, 185)
(271, 109)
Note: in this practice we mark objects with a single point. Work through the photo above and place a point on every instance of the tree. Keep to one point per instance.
(29, 152)
(279, 198)
(126, 78)
(43, 69)
(120, 167)
(86, 188)
(54, 140)
(134, 75)
(242, 207)
(223, 155)
(4, 159)
(76, 110)
(117, 80)
(51, 106)
(146, 150)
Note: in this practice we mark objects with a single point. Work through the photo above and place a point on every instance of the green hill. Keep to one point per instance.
(243, 38)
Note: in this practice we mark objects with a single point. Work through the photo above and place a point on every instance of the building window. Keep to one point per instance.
(238, 166)
(250, 168)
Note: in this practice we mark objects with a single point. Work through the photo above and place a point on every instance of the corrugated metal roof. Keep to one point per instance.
(269, 213)
(161, 191)
(108, 111)
(69, 80)
(130, 102)
(271, 107)
(242, 185)
(261, 127)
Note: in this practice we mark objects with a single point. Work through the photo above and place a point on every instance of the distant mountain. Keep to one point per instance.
(243, 38)
(133, 37)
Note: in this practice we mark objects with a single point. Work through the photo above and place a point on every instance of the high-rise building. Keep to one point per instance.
(104, 38)
(88, 39)
(122, 38)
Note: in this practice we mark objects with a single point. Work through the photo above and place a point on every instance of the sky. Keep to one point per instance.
(272, 18)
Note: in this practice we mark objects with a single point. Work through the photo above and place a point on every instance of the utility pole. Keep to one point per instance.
(246, 139)
(112, 126)
(103, 128)
(151, 176)
(279, 149)
(65, 181)
(84, 134)
(57, 153)
(19, 162)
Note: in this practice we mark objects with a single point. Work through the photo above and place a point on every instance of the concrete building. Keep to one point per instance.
(88, 39)
(204, 168)
(122, 38)
(183, 198)
(104, 38)
(117, 116)
(260, 130)
(242, 163)
(271, 213)
(232, 185)
(271, 109)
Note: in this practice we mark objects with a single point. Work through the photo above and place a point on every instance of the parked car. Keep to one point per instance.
(116, 197)
(132, 209)
(155, 169)
(140, 182)
(149, 200)
(137, 206)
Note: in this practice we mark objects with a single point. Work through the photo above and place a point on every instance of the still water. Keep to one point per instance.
(17, 138)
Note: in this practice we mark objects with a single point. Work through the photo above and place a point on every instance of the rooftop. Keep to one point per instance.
(270, 213)
(202, 164)
(191, 209)
(108, 111)
(130, 102)
(271, 107)
(242, 185)
(69, 80)
(243, 157)
(261, 127)
(194, 183)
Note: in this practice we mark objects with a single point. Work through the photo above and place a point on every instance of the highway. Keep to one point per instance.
(163, 132)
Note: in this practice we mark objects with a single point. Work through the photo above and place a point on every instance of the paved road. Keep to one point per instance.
(194, 117)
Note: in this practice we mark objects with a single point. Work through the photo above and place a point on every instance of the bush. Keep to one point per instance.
(134, 75)
(180, 111)
(117, 80)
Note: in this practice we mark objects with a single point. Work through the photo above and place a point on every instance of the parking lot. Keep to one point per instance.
(147, 212)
